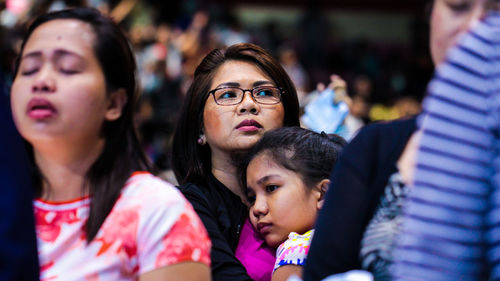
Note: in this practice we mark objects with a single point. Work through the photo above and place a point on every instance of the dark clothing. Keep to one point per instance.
(18, 253)
(223, 215)
(357, 184)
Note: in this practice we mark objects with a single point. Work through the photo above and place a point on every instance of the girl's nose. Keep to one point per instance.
(260, 207)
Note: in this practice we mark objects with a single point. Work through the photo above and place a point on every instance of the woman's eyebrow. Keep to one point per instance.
(228, 84)
(61, 53)
(236, 84)
(261, 82)
(57, 53)
(34, 54)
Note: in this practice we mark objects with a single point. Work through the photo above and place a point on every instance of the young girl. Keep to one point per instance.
(100, 215)
(287, 175)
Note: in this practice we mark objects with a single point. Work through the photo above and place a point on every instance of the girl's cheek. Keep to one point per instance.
(253, 219)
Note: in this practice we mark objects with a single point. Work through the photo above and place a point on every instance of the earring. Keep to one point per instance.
(202, 140)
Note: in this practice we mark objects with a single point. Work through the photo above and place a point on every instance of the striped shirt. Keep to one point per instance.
(451, 228)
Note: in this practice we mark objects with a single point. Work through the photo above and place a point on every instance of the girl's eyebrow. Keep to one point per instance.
(267, 177)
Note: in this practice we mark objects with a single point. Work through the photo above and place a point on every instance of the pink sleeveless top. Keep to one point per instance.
(254, 254)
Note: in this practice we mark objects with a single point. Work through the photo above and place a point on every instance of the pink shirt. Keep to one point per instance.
(150, 226)
(253, 252)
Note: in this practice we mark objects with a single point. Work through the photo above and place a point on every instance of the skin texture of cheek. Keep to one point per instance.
(437, 43)
(211, 121)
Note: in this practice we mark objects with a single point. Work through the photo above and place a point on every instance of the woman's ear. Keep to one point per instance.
(116, 102)
(322, 188)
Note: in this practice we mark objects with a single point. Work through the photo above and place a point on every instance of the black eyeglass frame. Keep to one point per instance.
(281, 92)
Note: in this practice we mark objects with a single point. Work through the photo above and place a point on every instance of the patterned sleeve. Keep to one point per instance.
(294, 250)
(172, 233)
(450, 228)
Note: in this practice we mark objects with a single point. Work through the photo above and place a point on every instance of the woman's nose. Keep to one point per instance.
(44, 81)
(248, 104)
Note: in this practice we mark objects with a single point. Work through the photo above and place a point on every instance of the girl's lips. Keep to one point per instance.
(39, 109)
(249, 125)
(264, 228)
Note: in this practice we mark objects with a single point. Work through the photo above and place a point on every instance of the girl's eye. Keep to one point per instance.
(251, 199)
(271, 187)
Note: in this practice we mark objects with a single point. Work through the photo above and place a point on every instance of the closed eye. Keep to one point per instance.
(460, 7)
(29, 71)
(68, 71)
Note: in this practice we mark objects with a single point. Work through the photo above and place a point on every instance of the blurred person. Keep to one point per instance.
(368, 189)
(290, 62)
(451, 223)
(358, 110)
(328, 110)
(407, 106)
(237, 95)
(286, 176)
(100, 213)
(18, 252)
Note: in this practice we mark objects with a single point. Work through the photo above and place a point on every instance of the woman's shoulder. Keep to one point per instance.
(210, 189)
(145, 187)
(388, 128)
(380, 140)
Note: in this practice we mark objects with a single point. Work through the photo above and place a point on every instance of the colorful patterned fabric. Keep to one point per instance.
(294, 250)
(150, 226)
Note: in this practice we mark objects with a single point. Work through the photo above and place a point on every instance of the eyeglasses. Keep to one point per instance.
(235, 95)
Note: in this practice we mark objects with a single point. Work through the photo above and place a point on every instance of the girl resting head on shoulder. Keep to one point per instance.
(286, 177)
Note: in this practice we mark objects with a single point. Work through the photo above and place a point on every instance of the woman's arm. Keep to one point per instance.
(285, 271)
(224, 264)
(186, 271)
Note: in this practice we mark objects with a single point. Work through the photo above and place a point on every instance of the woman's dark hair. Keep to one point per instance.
(307, 153)
(122, 154)
(192, 162)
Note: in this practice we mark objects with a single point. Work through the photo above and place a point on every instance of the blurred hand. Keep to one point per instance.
(407, 160)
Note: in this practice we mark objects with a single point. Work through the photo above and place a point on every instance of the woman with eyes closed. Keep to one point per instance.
(237, 95)
(100, 214)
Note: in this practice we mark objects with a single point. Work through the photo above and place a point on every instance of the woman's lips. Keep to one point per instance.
(39, 109)
(249, 125)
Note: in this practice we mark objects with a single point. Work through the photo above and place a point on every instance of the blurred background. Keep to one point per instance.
(379, 47)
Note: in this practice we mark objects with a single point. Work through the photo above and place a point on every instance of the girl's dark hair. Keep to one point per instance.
(192, 162)
(307, 153)
(122, 154)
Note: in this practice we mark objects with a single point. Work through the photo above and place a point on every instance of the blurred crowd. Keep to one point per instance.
(384, 81)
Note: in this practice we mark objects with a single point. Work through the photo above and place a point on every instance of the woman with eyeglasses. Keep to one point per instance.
(236, 96)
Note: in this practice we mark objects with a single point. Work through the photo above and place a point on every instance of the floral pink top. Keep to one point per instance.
(150, 226)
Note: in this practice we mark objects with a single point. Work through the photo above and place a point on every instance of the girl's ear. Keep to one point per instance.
(116, 101)
(322, 188)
